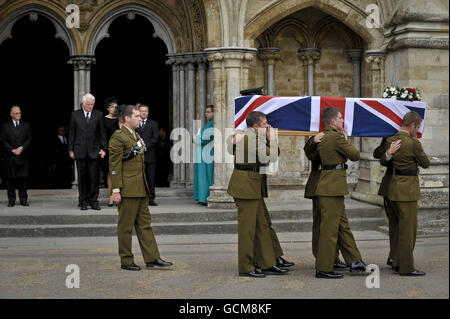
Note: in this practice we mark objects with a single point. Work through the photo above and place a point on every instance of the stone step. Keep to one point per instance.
(213, 215)
(224, 227)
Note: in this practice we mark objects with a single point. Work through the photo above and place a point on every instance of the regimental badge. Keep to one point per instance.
(113, 172)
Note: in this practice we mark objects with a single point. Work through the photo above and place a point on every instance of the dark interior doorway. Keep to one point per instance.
(36, 77)
(130, 65)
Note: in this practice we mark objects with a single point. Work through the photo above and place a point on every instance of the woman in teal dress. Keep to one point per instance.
(204, 159)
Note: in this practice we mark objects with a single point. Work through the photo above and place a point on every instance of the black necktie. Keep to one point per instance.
(87, 117)
(17, 125)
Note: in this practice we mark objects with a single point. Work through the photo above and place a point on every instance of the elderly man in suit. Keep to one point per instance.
(248, 188)
(148, 130)
(16, 140)
(87, 144)
(130, 191)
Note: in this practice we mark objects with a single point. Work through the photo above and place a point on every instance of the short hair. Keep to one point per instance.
(329, 114)
(14, 107)
(87, 96)
(210, 106)
(128, 110)
(412, 117)
(254, 118)
(109, 101)
(143, 105)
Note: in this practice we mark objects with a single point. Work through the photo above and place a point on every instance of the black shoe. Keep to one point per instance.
(152, 203)
(339, 265)
(358, 266)
(83, 206)
(253, 274)
(281, 262)
(158, 263)
(131, 266)
(389, 262)
(11, 204)
(203, 204)
(414, 273)
(396, 268)
(110, 205)
(25, 203)
(328, 275)
(274, 270)
(95, 206)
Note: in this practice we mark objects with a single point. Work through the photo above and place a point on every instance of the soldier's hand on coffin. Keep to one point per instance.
(116, 198)
(345, 133)
(395, 146)
(318, 137)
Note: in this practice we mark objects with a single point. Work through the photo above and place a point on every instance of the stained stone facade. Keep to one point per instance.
(292, 47)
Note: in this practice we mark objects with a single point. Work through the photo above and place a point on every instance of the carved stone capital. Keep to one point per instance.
(375, 58)
(354, 55)
(309, 56)
(269, 55)
(81, 62)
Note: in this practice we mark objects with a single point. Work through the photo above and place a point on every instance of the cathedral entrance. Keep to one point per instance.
(130, 65)
(36, 77)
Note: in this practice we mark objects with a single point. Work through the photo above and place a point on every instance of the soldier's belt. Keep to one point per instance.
(406, 172)
(246, 167)
(330, 167)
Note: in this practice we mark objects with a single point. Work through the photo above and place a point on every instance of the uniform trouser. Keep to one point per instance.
(278, 251)
(393, 226)
(150, 175)
(88, 180)
(134, 212)
(253, 236)
(333, 227)
(405, 221)
(316, 229)
(21, 184)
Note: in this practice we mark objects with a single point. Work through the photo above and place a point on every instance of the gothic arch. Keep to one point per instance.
(162, 30)
(343, 11)
(350, 38)
(300, 30)
(34, 11)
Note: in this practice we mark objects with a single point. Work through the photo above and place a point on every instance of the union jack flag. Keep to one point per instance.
(362, 116)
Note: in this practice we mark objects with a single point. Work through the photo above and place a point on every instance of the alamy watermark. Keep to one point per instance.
(73, 19)
(373, 20)
(373, 279)
(73, 280)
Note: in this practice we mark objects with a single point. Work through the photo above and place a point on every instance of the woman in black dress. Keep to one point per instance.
(110, 125)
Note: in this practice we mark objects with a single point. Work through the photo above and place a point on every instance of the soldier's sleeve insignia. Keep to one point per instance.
(113, 172)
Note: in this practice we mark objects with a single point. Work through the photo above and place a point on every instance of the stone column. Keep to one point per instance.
(230, 67)
(269, 56)
(355, 57)
(174, 62)
(309, 56)
(182, 112)
(190, 114)
(81, 76)
(202, 61)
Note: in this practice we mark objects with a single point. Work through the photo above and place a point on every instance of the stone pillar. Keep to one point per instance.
(269, 56)
(230, 67)
(202, 61)
(309, 56)
(190, 114)
(174, 62)
(355, 57)
(81, 76)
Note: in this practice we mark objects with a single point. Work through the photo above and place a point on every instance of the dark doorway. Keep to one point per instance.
(37, 78)
(130, 65)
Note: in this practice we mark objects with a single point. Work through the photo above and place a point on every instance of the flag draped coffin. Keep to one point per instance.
(362, 116)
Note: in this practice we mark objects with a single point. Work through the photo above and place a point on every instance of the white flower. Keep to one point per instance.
(403, 95)
(393, 97)
(385, 95)
(392, 89)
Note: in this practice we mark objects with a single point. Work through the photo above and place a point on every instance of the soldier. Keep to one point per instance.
(383, 191)
(130, 192)
(312, 154)
(404, 190)
(248, 189)
(334, 150)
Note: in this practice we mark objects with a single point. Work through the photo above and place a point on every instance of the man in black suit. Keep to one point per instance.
(62, 163)
(16, 140)
(87, 144)
(148, 130)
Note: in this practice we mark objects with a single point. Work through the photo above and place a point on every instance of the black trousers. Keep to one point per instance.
(88, 180)
(150, 175)
(21, 184)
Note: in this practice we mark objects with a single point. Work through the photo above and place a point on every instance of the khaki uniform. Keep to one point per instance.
(334, 149)
(404, 192)
(383, 191)
(312, 154)
(129, 177)
(248, 189)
